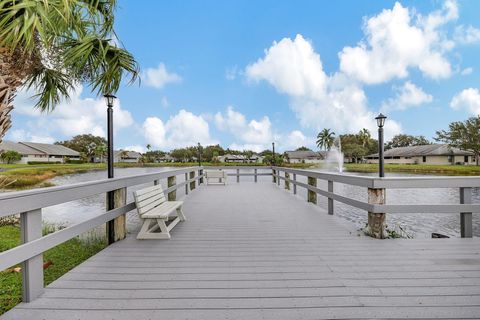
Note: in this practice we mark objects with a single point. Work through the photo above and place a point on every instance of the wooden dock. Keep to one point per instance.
(254, 251)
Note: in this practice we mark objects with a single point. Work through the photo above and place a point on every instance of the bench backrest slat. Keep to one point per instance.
(149, 198)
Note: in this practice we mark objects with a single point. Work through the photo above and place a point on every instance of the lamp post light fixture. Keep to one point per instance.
(381, 161)
(199, 155)
(110, 98)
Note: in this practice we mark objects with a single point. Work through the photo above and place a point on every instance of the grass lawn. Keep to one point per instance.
(64, 257)
(416, 168)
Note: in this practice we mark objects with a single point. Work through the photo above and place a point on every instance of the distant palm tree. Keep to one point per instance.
(364, 136)
(325, 139)
(101, 151)
(149, 147)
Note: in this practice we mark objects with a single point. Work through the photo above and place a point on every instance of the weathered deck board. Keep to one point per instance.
(252, 251)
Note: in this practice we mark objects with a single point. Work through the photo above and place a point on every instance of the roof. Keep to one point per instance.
(424, 150)
(51, 149)
(130, 154)
(20, 148)
(304, 155)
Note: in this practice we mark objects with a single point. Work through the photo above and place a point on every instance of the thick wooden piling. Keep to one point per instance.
(376, 221)
(312, 195)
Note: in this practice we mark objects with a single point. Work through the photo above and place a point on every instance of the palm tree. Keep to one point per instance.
(101, 151)
(51, 46)
(325, 139)
(364, 136)
(149, 147)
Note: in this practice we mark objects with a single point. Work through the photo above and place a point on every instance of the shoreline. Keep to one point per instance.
(24, 177)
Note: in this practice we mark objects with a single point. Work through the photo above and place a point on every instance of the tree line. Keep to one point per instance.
(464, 135)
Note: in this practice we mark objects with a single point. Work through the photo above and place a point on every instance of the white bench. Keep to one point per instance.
(219, 175)
(155, 211)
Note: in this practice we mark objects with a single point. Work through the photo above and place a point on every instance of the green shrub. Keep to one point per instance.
(44, 162)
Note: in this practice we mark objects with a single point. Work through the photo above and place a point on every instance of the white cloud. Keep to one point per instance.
(137, 148)
(467, 35)
(466, 71)
(165, 102)
(468, 99)
(182, 129)
(70, 118)
(399, 39)
(231, 73)
(294, 68)
(159, 77)
(22, 135)
(406, 96)
(256, 135)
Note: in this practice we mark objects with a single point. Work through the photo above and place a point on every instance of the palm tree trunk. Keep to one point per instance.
(14, 68)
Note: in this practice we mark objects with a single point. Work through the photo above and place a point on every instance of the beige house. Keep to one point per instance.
(126, 156)
(305, 156)
(440, 154)
(44, 152)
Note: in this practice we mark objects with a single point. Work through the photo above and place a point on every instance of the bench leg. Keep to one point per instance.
(146, 232)
(180, 214)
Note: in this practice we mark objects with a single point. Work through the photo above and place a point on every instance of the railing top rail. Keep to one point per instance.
(391, 182)
(21, 201)
(245, 167)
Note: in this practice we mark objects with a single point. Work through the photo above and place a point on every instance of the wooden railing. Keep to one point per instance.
(376, 205)
(29, 205)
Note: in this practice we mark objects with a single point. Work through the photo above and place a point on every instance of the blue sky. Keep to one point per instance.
(245, 73)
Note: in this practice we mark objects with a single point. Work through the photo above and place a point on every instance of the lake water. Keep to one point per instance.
(417, 225)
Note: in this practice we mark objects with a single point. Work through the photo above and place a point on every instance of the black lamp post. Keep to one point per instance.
(381, 165)
(199, 155)
(273, 153)
(110, 98)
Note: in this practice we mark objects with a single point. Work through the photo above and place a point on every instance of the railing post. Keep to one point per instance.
(330, 200)
(255, 175)
(278, 177)
(287, 183)
(376, 221)
(294, 183)
(32, 269)
(238, 175)
(171, 181)
(200, 174)
(274, 178)
(312, 195)
(116, 228)
(186, 183)
(192, 184)
(466, 217)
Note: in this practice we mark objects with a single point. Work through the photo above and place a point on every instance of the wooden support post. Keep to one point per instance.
(274, 178)
(466, 217)
(287, 182)
(117, 228)
(192, 184)
(200, 174)
(376, 221)
(330, 200)
(294, 183)
(171, 181)
(278, 177)
(255, 175)
(32, 269)
(312, 195)
(186, 183)
(238, 175)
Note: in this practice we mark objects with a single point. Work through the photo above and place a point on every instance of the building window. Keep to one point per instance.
(424, 159)
(465, 159)
(450, 159)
